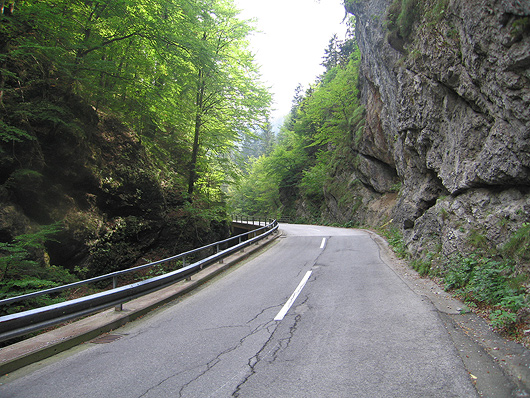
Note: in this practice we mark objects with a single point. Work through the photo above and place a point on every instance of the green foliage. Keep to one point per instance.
(518, 246)
(519, 26)
(228, 97)
(258, 192)
(407, 16)
(21, 272)
(488, 282)
(22, 286)
(501, 319)
(161, 269)
(314, 179)
(118, 248)
(22, 177)
(147, 62)
(438, 12)
(493, 282)
(10, 133)
(478, 240)
(17, 256)
(481, 279)
(458, 273)
(316, 139)
(396, 242)
(421, 266)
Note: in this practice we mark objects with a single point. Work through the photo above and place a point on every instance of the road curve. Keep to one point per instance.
(354, 329)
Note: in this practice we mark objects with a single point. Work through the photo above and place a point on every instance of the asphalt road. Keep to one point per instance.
(354, 330)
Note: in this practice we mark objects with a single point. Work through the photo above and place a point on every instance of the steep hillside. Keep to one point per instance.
(93, 177)
(118, 122)
(446, 85)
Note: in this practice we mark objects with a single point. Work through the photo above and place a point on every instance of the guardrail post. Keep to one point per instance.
(221, 260)
(183, 265)
(119, 307)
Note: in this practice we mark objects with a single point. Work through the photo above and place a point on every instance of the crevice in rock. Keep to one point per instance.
(524, 189)
(385, 165)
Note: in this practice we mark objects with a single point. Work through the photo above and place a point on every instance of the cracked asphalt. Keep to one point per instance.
(356, 330)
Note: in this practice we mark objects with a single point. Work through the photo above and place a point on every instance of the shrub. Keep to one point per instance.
(519, 244)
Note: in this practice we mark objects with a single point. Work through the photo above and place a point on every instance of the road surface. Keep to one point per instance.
(318, 314)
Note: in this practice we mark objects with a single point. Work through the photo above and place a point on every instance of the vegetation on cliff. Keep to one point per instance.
(440, 156)
(118, 121)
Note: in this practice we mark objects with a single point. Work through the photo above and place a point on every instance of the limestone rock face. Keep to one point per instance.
(448, 108)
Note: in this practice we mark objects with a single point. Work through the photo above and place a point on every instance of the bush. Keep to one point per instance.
(484, 279)
(493, 282)
(519, 244)
(401, 15)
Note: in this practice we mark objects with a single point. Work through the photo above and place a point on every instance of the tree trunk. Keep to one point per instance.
(198, 125)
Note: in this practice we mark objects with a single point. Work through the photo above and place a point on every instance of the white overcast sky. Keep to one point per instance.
(290, 47)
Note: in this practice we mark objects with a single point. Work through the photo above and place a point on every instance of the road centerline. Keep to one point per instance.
(323, 244)
(293, 297)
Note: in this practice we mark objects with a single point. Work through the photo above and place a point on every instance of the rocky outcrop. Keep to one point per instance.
(93, 177)
(448, 109)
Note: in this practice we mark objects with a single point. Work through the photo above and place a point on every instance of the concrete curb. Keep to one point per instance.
(47, 344)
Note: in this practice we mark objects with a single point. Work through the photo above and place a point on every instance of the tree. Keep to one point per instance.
(228, 97)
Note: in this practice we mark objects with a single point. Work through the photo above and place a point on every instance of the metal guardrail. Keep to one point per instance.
(22, 323)
(260, 220)
(245, 219)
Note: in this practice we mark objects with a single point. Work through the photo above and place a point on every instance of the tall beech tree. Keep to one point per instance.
(229, 99)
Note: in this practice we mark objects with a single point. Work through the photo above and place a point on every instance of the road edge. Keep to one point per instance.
(45, 345)
(511, 358)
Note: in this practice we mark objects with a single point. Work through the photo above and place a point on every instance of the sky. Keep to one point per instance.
(290, 42)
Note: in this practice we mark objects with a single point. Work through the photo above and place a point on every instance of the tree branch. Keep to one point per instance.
(106, 43)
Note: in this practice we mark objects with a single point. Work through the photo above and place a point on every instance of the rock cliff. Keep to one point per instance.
(92, 176)
(446, 85)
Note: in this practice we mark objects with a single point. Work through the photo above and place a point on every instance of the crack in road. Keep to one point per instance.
(263, 352)
(165, 380)
(217, 359)
(281, 345)
(262, 312)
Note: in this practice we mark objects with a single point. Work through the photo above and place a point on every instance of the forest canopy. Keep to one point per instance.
(178, 72)
(119, 121)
